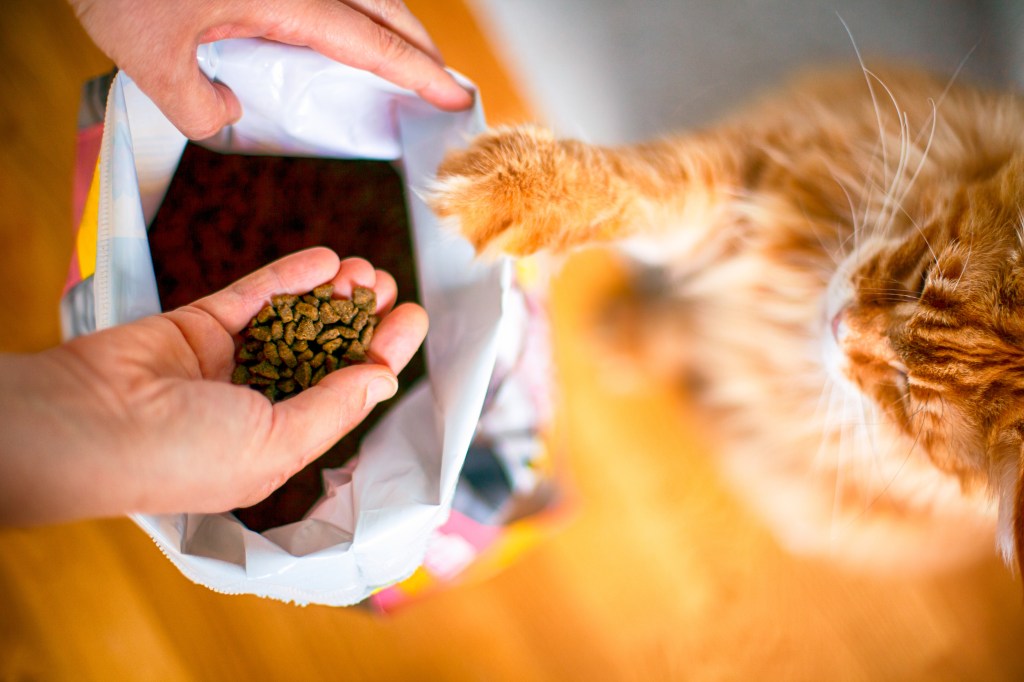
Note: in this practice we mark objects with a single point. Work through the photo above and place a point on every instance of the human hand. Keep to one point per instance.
(143, 418)
(155, 42)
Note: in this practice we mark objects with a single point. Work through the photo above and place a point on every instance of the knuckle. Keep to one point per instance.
(202, 126)
(390, 47)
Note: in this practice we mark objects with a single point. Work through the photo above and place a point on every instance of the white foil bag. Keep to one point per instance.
(372, 525)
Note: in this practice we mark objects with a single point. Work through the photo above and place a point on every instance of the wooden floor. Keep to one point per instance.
(658, 575)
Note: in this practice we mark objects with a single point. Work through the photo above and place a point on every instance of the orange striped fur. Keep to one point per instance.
(838, 270)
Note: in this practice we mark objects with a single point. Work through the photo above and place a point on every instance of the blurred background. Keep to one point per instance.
(654, 572)
(620, 71)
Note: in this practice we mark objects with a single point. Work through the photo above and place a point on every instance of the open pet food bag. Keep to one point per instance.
(456, 471)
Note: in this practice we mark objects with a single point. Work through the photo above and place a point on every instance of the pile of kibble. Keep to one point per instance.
(296, 341)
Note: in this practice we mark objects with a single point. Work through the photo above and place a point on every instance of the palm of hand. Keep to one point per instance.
(182, 436)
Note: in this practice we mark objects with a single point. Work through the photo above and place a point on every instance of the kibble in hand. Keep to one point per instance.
(297, 340)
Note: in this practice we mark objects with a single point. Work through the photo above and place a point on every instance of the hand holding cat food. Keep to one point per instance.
(144, 418)
(155, 41)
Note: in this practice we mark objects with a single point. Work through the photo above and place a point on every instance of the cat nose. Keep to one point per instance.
(839, 328)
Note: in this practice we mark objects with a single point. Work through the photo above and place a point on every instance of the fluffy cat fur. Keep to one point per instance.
(837, 270)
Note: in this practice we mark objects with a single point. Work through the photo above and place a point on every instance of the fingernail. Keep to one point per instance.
(380, 389)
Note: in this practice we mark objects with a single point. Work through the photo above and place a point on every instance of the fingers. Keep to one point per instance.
(299, 272)
(394, 15)
(398, 336)
(351, 37)
(196, 106)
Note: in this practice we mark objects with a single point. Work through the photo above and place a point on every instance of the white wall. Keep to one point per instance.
(620, 70)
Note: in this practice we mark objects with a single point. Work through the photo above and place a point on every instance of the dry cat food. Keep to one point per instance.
(227, 215)
(297, 340)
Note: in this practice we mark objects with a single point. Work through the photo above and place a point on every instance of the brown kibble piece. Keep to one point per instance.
(332, 346)
(306, 310)
(240, 375)
(276, 330)
(327, 335)
(364, 298)
(271, 354)
(287, 313)
(355, 352)
(346, 310)
(366, 336)
(318, 360)
(265, 314)
(286, 354)
(306, 331)
(318, 375)
(303, 374)
(265, 369)
(324, 291)
(360, 320)
(260, 333)
(328, 314)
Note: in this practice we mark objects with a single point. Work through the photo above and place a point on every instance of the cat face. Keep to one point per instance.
(929, 326)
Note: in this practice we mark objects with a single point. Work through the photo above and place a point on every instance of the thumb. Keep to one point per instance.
(196, 106)
(306, 425)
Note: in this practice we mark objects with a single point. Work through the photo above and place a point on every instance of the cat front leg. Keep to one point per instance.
(520, 190)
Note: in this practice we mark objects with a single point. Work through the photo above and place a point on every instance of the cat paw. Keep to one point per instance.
(504, 193)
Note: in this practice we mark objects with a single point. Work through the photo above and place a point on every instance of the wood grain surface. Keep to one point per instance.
(658, 574)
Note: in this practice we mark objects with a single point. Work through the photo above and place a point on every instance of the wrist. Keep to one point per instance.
(56, 458)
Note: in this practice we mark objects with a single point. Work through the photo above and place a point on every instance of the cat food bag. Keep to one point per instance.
(455, 477)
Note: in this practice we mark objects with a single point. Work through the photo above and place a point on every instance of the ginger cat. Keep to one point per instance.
(837, 273)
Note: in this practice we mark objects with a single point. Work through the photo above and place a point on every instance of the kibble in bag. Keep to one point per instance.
(398, 502)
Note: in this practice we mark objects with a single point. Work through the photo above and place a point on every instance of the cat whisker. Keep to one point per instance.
(871, 90)
(888, 210)
(924, 154)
